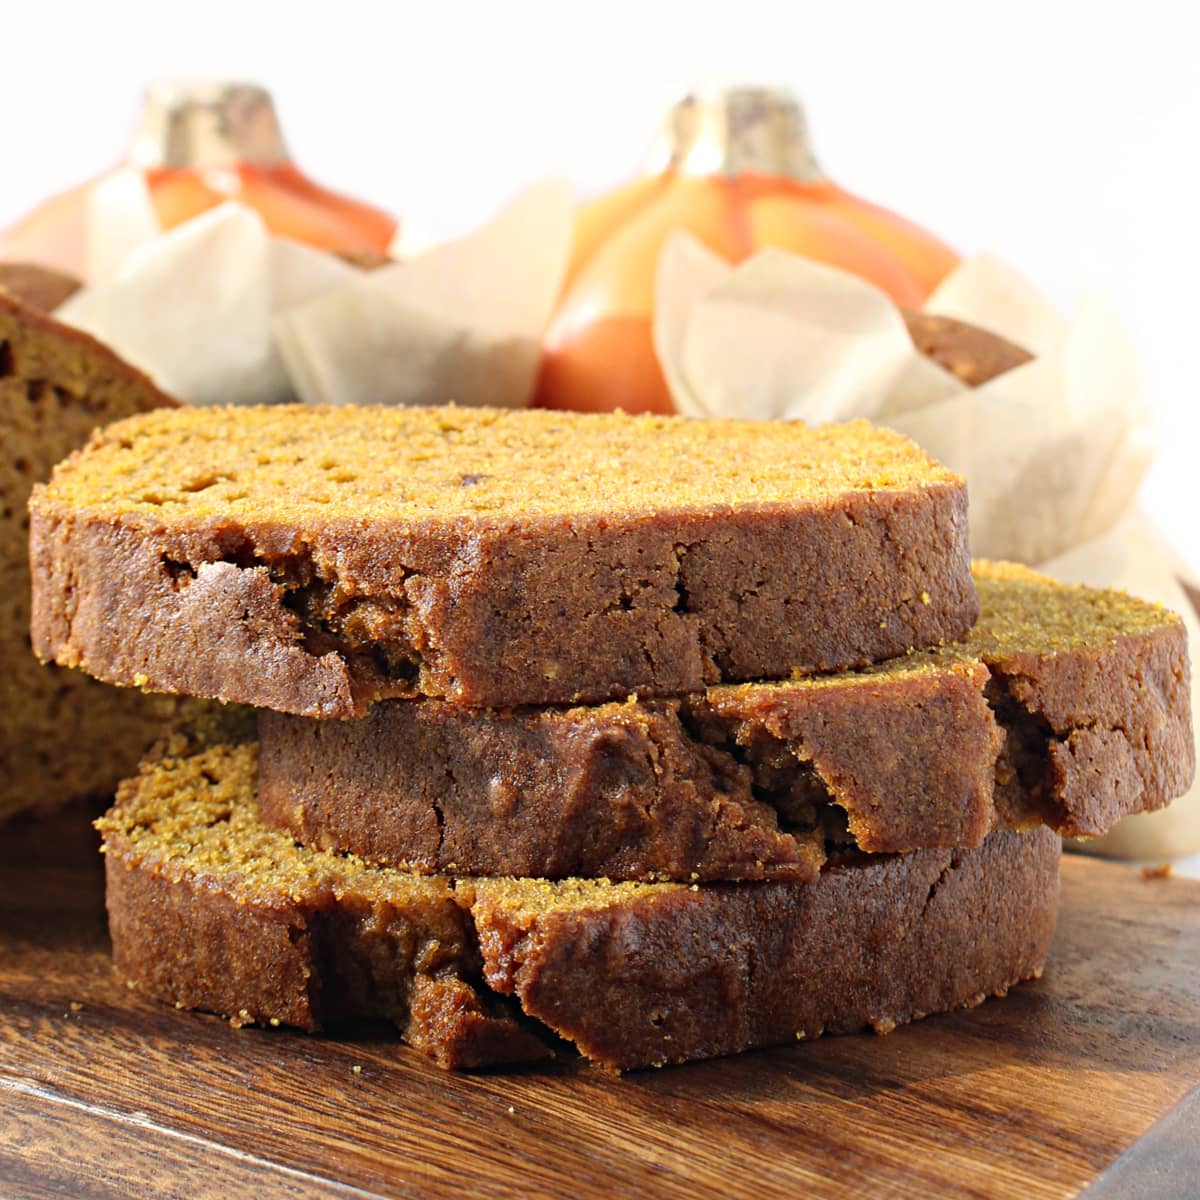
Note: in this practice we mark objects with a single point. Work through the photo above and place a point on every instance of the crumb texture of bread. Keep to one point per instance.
(210, 910)
(62, 735)
(314, 560)
(1065, 706)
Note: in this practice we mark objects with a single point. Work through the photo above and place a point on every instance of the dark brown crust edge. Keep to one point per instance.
(679, 975)
(36, 286)
(698, 973)
(1111, 731)
(559, 611)
(645, 790)
(28, 328)
(690, 790)
(972, 354)
(186, 942)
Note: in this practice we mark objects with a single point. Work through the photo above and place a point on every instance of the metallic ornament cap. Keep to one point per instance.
(734, 131)
(207, 125)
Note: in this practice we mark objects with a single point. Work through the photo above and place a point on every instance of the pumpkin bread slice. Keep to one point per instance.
(209, 909)
(1064, 705)
(313, 560)
(61, 734)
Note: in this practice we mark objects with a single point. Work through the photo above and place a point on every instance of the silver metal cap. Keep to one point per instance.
(207, 124)
(736, 130)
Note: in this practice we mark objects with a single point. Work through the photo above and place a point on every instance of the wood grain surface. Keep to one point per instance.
(105, 1094)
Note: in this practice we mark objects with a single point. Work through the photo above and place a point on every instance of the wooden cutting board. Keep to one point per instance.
(105, 1094)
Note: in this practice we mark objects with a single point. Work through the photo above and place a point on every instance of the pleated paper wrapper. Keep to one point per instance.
(217, 311)
(1054, 451)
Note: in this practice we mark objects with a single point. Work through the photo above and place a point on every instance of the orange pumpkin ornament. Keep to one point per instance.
(736, 170)
(200, 145)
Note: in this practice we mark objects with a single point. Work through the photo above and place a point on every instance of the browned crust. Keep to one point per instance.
(695, 973)
(972, 354)
(619, 792)
(1094, 734)
(188, 943)
(683, 790)
(48, 349)
(195, 947)
(734, 783)
(495, 615)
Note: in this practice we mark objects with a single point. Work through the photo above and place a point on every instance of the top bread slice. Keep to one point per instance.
(314, 560)
(61, 734)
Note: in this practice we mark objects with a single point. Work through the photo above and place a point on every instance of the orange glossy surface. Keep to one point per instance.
(599, 352)
(597, 220)
(793, 221)
(291, 205)
(923, 256)
(53, 234)
(610, 364)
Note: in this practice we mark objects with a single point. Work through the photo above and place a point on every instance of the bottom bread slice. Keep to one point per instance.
(209, 909)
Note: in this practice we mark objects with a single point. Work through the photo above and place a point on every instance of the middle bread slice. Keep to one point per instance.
(1065, 706)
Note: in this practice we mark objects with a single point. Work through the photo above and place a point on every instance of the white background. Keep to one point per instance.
(1061, 136)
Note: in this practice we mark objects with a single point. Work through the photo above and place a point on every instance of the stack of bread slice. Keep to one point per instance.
(664, 738)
